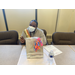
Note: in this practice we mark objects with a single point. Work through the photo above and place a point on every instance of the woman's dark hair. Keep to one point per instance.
(35, 22)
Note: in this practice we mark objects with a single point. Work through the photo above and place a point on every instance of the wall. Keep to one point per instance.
(18, 19)
(72, 22)
(66, 20)
(47, 19)
(2, 22)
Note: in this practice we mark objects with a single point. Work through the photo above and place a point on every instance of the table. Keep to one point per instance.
(68, 55)
(9, 54)
(42, 61)
(65, 58)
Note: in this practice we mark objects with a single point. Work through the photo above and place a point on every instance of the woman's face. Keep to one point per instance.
(33, 24)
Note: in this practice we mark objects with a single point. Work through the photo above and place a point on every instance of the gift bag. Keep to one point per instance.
(34, 47)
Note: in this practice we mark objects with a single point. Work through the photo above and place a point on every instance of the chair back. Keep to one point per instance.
(8, 37)
(44, 32)
(63, 38)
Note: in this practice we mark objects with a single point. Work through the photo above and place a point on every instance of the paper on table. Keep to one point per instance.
(55, 50)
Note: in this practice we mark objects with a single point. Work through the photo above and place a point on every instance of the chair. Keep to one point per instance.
(63, 38)
(45, 32)
(9, 38)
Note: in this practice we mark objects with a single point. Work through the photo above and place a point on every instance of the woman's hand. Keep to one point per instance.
(22, 39)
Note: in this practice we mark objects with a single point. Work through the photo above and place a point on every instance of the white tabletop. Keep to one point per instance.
(67, 57)
(42, 61)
